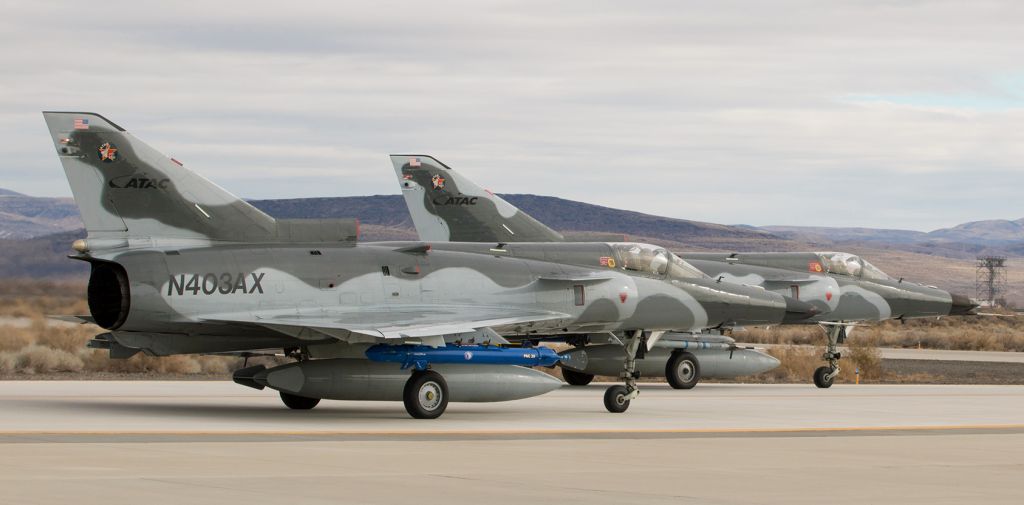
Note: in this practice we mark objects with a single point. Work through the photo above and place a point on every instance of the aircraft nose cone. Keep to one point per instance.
(797, 310)
(962, 305)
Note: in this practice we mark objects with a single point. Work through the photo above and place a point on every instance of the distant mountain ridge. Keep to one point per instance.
(988, 232)
(24, 216)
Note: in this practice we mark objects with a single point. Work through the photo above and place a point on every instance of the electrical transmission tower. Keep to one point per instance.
(990, 280)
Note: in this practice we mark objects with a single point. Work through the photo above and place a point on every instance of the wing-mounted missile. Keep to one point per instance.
(421, 357)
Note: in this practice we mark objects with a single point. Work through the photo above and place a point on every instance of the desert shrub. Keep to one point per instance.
(783, 335)
(39, 359)
(8, 362)
(179, 364)
(865, 356)
(66, 338)
(796, 364)
(182, 364)
(15, 339)
(218, 365)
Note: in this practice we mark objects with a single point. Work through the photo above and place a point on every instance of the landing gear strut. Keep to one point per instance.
(824, 376)
(617, 398)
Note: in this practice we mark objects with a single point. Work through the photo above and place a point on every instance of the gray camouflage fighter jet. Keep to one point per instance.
(445, 205)
(866, 293)
(179, 265)
(844, 288)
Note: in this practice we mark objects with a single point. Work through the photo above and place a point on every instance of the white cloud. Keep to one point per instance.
(762, 113)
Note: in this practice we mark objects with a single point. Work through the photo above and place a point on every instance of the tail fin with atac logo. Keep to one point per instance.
(446, 206)
(126, 189)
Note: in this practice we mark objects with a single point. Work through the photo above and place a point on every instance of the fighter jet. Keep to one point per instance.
(447, 206)
(866, 293)
(179, 265)
(844, 288)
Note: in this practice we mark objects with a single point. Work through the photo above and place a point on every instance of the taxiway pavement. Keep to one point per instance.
(929, 354)
(213, 442)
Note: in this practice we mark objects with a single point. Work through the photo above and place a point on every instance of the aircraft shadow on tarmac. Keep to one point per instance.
(332, 411)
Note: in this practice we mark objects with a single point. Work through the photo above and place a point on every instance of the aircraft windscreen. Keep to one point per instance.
(872, 272)
(680, 269)
(654, 260)
(848, 264)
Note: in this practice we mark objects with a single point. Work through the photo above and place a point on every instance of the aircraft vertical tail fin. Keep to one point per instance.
(126, 189)
(446, 206)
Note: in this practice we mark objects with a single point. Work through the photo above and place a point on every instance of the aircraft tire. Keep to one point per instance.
(820, 379)
(615, 399)
(296, 402)
(425, 395)
(574, 378)
(682, 370)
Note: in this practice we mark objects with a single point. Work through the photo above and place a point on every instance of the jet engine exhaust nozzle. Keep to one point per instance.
(962, 306)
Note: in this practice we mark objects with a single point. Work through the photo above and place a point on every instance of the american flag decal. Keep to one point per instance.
(81, 124)
(414, 162)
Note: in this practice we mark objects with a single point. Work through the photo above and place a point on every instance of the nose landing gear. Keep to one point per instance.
(617, 398)
(824, 376)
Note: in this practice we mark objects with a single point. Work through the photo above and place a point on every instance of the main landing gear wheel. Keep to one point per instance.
(425, 395)
(682, 370)
(823, 377)
(616, 399)
(296, 402)
(575, 378)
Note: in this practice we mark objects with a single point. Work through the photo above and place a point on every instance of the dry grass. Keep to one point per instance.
(970, 333)
(976, 333)
(14, 339)
(31, 345)
(39, 359)
(797, 363)
(33, 298)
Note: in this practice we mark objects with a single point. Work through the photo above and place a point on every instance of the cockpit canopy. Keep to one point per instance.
(848, 264)
(653, 260)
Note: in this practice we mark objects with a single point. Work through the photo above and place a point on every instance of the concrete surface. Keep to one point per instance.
(211, 442)
(940, 355)
(926, 354)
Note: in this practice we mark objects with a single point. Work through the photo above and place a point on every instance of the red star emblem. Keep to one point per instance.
(108, 152)
(437, 181)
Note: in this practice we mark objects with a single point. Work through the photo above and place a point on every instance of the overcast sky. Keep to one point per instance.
(868, 113)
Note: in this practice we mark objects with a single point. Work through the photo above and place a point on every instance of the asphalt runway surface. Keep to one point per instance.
(217, 442)
(928, 354)
(943, 355)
